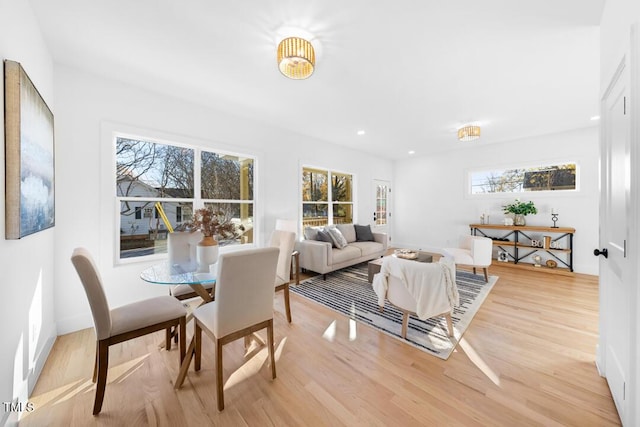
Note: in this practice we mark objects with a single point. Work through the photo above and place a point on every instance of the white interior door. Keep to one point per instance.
(381, 203)
(616, 290)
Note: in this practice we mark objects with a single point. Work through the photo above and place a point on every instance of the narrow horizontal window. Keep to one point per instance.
(559, 177)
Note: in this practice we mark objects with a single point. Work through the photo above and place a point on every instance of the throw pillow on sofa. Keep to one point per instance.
(347, 231)
(337, 237)
(363, 233)
(324, 236)
(311, 233)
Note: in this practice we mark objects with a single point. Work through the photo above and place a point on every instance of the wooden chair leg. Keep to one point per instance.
(405, 324)
(474, 270)
(296, 272)
(184, 367)
(270, 343)
(287, 305)
(103, 365)
(197, 336)
(168, 339)
(219, 383)
(95, 363)
(183, 339)
(449, 324)
(486, 274)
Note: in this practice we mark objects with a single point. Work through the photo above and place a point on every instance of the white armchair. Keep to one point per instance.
(417, 288)
(475, 252)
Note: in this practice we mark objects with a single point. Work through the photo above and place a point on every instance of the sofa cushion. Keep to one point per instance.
(346, 254)
(337, 237)
(324, 236)
(367, 248)
(363, 233)
(348, 231)
(311, 233)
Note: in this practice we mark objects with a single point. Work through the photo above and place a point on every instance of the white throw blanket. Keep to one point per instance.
(423, 281)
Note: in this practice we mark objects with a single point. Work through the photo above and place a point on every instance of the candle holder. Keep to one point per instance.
(554, 218)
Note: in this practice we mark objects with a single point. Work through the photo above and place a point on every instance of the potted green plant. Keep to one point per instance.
(520, 210)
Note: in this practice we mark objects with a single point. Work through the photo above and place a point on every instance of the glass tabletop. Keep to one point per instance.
(166, 274)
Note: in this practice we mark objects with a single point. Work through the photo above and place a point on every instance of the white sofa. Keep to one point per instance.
(323, 258)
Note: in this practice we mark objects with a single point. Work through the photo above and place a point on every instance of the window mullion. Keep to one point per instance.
(329, 198)
(197, 174)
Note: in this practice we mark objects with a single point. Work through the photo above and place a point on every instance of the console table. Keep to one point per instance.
(517, 243)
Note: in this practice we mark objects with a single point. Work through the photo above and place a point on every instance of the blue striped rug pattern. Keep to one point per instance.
(348, 291)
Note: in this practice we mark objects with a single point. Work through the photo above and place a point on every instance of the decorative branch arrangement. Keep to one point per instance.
(207, 221)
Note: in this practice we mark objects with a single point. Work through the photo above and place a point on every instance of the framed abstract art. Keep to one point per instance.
(29, 156)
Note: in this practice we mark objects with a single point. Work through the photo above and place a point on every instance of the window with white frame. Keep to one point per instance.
(556, 177)
(159, 185)
(327, 197)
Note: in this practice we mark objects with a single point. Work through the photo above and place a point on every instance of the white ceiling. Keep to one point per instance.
(408, 72)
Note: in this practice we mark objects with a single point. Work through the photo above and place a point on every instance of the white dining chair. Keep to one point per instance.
(243, 305)
(285, 241)
(113, 326)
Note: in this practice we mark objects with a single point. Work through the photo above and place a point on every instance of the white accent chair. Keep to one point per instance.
(113, 326)
(412, 283)
(285, 241)
(475, 252)
(243, 305)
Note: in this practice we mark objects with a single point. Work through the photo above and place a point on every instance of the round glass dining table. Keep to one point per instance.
(166, 274)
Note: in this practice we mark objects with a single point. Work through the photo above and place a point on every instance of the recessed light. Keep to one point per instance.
(594, 118)
(360, 132)
(412, 152)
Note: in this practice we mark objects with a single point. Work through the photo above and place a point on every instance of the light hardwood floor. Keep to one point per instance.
(526, 359)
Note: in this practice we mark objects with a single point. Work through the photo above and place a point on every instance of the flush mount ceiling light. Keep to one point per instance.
(469, 133)
(296, 58)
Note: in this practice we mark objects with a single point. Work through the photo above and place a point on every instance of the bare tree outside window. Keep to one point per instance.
(320, 209)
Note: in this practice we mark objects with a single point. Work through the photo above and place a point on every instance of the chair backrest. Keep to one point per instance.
(397, 292)
(244, 289)
(285, 241)
(451, 265)
(92, 283)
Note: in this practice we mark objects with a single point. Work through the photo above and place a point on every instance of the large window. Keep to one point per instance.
(327, 197)
(158, 186)
(559, 177)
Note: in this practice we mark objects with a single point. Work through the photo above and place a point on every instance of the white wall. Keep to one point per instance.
(26, 307)
(90, 108)
(432, 208)
(615, 28)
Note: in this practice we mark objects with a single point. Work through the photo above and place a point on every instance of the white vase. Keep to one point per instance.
(207, 254)
(181, 246)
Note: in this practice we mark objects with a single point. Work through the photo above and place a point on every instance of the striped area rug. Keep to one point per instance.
(348, 291)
